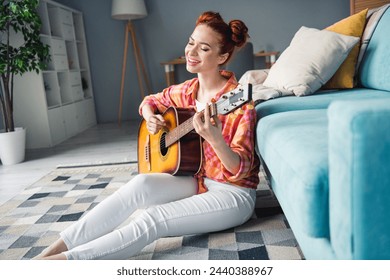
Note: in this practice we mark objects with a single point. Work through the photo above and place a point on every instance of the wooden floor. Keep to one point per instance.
(101, 143)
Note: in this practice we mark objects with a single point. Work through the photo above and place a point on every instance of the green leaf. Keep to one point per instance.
(20, 16)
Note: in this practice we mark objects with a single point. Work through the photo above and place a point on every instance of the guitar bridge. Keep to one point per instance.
(147, 152)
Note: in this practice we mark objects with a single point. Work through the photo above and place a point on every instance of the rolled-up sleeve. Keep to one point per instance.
(238, 132)
(181, 95)
(159, 102)
(242, 143)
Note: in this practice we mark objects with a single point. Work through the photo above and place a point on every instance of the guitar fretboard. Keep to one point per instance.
(178, 132)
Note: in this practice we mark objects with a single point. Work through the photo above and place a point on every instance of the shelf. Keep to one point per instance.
(83, 57)
(61, 22)
(270, 57)
(73, 59)
(86, 84)
(79, 27)
(61, 103)
(43, 13)
(52, 89)
(69, 59)
(65, 89)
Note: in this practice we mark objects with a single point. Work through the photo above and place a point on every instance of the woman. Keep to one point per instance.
(221, 196)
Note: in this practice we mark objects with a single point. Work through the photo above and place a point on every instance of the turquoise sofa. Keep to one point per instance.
(327, 156)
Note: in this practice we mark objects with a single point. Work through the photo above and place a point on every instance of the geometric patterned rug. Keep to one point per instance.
(33, 219)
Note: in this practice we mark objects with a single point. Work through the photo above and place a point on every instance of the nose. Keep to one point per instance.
(191, 50)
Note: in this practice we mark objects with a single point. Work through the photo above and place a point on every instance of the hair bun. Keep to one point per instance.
(239, 32)
(209, 17)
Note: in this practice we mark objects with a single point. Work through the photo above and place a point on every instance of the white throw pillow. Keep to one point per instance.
(254, 77)
(310, 61)
(260, 92)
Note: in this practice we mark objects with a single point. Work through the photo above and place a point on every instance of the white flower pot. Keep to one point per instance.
(13, 146)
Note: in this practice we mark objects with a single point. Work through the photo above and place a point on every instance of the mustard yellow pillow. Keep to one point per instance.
(352, 26)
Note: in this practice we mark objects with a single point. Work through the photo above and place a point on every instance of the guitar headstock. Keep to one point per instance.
(234, 99)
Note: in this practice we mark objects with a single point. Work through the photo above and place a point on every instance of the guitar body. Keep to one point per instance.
(183, 157)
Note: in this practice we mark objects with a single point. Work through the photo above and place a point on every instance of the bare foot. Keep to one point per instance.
(56, 248)
(55, 257)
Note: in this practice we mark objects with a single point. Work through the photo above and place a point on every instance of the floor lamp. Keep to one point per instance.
(130, 10)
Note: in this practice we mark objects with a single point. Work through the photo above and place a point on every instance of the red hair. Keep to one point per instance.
(233, 34)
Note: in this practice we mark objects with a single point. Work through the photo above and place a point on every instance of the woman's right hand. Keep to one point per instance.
(155, 123)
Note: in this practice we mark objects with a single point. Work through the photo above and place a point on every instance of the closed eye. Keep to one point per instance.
(204, 46)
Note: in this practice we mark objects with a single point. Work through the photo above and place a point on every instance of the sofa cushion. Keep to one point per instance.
(375, 65)
(373, 17)
(294, 146)
(319, 100)
(310, 60)
(353, 26)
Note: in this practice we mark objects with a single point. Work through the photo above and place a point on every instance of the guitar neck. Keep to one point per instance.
(179, 131)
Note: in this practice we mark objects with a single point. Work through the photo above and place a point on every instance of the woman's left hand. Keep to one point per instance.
(209, 128)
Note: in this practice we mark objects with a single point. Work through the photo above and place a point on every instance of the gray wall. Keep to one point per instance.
(162, 36)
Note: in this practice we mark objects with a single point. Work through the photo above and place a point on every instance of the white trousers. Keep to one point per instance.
(171, 207)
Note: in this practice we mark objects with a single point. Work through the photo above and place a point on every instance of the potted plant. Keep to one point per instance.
(18, 19)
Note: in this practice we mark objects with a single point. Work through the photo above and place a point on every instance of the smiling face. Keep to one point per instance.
(203, 50)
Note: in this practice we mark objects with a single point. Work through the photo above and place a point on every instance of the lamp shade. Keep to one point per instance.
(128, 9)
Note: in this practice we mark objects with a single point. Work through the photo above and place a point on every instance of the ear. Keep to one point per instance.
(223, 58)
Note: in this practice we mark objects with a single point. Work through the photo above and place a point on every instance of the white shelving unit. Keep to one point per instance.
(57, 103)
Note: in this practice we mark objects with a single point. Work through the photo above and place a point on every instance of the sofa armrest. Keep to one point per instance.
(359, 178)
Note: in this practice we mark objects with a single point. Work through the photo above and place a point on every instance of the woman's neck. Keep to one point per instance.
(209, 85)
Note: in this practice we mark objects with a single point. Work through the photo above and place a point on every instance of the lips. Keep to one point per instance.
(192, 62)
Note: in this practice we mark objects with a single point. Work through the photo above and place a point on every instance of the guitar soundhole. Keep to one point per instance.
(163, 148)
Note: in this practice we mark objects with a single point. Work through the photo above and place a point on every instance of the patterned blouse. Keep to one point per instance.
(238, 130)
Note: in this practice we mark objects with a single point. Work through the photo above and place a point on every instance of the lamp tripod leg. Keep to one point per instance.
(139, 62)
(143, 69)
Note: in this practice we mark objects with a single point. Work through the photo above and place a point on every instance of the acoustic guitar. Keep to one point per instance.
(177, 149)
